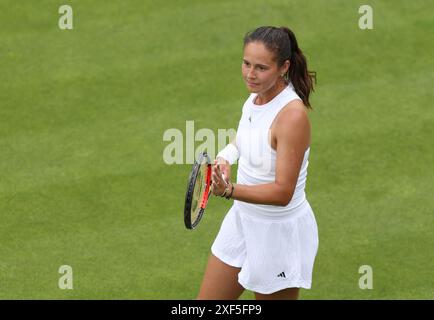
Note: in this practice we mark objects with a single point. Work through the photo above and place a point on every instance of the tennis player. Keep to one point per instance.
(268, 239)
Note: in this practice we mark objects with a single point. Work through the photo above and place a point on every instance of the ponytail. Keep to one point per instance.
(298, 74)
(283, 42)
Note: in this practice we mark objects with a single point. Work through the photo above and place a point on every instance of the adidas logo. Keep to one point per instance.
(282, 275)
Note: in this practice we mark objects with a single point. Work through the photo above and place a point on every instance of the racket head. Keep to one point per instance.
(198, 191)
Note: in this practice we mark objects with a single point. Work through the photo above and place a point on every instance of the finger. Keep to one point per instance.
(218, 175)
(214, 189)
(221, 176)
(227, 175)
(215, 178)
(224, 178)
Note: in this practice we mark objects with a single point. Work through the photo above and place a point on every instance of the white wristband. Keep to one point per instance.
(230, 153)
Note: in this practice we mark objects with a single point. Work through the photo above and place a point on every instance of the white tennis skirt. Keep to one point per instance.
(273, 253)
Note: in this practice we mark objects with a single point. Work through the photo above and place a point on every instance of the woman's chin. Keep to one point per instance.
(252, 88)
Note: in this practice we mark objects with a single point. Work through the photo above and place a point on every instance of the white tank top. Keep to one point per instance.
(257, 162)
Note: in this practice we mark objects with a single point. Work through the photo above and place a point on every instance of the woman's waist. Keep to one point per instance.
(295, 206)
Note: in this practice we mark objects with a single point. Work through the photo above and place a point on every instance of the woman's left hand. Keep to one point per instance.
(218, 182)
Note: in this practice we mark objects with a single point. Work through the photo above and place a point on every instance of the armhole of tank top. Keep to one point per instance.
(275, 152)
(269, 129)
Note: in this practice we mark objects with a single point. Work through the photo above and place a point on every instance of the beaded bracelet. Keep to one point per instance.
(232, 191)
(225, 192)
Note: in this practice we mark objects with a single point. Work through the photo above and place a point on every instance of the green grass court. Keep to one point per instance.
(83, 113)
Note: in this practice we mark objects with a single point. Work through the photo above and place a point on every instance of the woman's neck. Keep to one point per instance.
(265, 97)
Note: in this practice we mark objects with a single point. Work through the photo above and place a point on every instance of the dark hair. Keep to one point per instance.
(283, 43)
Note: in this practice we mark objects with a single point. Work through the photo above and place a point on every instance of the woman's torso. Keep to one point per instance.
(256, 141)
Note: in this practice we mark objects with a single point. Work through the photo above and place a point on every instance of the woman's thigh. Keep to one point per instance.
(220, 281)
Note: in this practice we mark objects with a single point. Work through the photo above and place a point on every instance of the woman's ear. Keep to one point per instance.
(285, 66)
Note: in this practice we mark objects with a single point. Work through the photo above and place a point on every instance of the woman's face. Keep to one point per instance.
(260, 71)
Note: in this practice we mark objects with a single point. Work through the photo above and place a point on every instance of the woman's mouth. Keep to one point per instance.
(251, 84)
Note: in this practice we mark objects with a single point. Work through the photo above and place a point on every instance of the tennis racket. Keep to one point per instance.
(198, 191)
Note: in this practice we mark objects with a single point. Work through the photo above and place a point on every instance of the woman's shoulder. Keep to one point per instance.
(293, 121)
(293, 118)
(294, 110)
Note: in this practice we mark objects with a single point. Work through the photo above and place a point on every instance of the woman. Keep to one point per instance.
(268, 239)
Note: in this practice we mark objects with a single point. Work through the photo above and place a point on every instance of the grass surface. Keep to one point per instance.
(82, 118)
